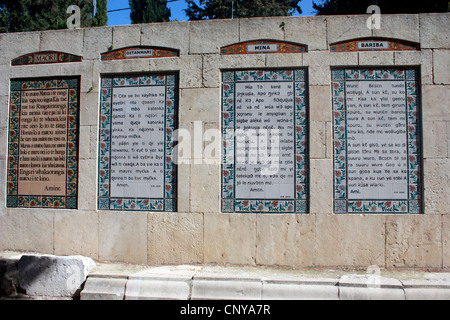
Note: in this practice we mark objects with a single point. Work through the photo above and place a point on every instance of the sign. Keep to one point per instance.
(263, 46)
(45, 57)
(264, 118)
(43, 143)
(143, 53)
(373, 44)
(137, 123)
(139, 53)
(376, 141)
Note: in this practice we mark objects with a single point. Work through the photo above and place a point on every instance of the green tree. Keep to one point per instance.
(101, 16)
(144, 11)
(36, 15)
(330, 7)
(221, 9)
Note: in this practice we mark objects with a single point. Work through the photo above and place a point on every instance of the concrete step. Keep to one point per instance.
(111, 281)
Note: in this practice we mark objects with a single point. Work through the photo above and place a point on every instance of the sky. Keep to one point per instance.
(176, 7)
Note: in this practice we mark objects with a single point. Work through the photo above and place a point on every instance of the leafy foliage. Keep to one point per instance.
(144, 11)
(36, 15)
(221, 9)
(330, 7)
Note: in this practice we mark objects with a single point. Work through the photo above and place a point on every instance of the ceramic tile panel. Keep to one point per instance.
(265, 145)
(138, 117)
(376, 130)
(43, 143)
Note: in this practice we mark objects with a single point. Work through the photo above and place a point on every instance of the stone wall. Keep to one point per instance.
(199, 233)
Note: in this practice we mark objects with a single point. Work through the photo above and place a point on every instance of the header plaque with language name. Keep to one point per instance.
(45, 57)
(140, 52)
(265, 149)
(43, 143)
(138, 119)
(377, 152)
(374, 44)
(263, 46)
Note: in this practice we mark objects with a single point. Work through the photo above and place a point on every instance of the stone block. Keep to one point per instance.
(350, 240)
(319, 63)
(340, 28)
(311, 31)
(200, 105)
(204, 37)
(176, 35)
(89, 109)
(17, 44)
(436, 185)
(85, 69)
(369, 58)
(87, 191)
(175, 238)
(390, 27)
(300, 289)
(275, 231)
(446, 241)
(4, 136)
(413, 241)
(53, 276)
(158, 288)
(434, 30)
(213, 63)
(184, 194)
(261, 28)
(97, 41)
(320, 105)
(3, 174)
(317, 139)
(126, 36)
(230, 238)
(434, 286)
(205, 187)
(370, 287)
(4, 112)
(34, 226)
(441, 65)
(284, 60)
(38, 70)
(422, 58)
(76, 233)
(190, 68)
(4, 81)
(104, 288)
(432, 107)
(434, 139)
(211, 288)
(123, 237)
(69, 41)
(321, 185)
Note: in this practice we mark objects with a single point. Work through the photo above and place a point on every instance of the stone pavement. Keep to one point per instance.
(191, 282)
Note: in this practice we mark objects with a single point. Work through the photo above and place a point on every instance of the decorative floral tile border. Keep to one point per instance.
(413, 204)
(69, 201)
(300, 203)
(168, 202)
